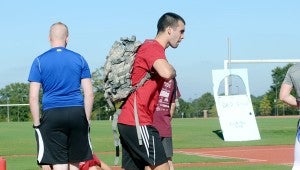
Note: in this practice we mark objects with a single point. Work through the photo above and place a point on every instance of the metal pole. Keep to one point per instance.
(18, 114)
(226, 78)
(7, 101)
(276, 108)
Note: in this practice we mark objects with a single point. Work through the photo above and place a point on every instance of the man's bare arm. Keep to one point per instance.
(285, 95)
(34, 90)
(164, 69)
(172, 109)
(88, 96)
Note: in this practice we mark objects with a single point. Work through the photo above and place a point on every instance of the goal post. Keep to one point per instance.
(227, 64)
(11, 105)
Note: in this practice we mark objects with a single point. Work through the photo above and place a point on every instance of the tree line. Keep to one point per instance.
(265, 105)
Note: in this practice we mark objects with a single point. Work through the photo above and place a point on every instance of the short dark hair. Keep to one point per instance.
(168, 19)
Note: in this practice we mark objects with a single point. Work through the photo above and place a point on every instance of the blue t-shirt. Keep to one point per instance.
(60, 71)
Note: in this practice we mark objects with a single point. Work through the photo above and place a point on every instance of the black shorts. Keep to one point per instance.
(168, 146)
(63, 136)
(135, 156)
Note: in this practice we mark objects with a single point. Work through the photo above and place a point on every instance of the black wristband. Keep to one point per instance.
(35, 126)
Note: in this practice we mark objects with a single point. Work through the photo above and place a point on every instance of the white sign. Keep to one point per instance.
(236, 115)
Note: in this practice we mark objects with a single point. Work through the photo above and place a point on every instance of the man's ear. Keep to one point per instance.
(67, 40)
(169, 30)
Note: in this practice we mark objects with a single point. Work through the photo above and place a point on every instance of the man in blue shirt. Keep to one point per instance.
(62, 130)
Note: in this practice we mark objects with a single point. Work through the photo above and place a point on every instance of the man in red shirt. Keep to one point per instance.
(150, 58)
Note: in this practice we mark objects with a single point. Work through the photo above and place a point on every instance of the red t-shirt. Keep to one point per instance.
(162, 117)
(146, 95)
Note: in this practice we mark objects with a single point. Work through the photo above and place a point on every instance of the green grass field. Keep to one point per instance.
(18, 147)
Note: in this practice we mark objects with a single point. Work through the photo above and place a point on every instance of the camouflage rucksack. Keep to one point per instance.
(117, 70)
(117, 79)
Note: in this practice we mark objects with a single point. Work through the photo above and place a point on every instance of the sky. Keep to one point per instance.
(256, 29)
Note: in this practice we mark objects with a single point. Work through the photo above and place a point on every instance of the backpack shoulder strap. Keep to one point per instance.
(116, 135)
(137, 122)
(142, 82)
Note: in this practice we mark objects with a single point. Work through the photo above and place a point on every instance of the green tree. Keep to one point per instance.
(265, 107)
(256, 104)
(15, 93)
(278, 75)
(182, 110)
(196, 107)
(213, 111)
(206, 102)
(101, 110)
(281, 106)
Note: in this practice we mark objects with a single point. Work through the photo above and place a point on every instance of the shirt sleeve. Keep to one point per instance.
(85, 70)
(153, 52)
(35, 72)
(287, 78)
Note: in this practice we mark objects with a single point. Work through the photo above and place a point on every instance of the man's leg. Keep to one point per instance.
(170, 164)
(74, 166)
(168, 147)
(47, 167)
(61, 167)
(164, 166)
(104, 166)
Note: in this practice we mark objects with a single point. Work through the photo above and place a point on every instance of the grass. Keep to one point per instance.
(18, 147)
(200, 133)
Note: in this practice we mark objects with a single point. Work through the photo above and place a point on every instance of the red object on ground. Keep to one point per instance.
(2, 164)
(87, 164)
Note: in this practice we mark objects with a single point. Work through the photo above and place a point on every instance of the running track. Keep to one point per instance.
(282, 154)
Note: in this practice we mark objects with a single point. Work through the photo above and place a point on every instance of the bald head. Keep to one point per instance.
(58, 34)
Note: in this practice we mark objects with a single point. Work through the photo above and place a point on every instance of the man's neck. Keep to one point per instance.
(162, 40)
(58, 44)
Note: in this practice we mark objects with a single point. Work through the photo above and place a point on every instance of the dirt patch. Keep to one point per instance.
(281, 155)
